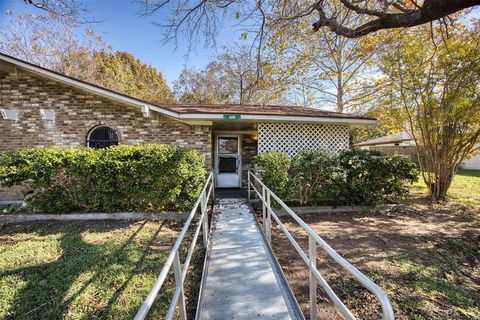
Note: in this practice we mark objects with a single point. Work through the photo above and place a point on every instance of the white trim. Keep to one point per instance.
(165, 112)
(292, 138)
(277, 118)
(239, 168)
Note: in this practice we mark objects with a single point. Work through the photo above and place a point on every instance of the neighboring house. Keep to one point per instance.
(401, 139)
(398, 143)
(473, 163)
(402, 144)
(40, 107)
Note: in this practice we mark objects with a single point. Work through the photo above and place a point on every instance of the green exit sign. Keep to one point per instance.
(232, 117)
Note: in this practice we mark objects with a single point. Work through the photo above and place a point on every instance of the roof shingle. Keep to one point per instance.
(280, 110)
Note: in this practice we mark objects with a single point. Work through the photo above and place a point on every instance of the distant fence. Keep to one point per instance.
(409, 151)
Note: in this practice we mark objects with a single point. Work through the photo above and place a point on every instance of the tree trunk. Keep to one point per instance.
(439, 187)
(339, 66)
(438, 171)
(241, 91)
(340, 93)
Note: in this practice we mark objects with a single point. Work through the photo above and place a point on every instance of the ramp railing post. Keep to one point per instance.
(177, 270)
(248, 184)
(213, 191)
(268, 232)
(264, 208)
(312, 265)
(204, 222)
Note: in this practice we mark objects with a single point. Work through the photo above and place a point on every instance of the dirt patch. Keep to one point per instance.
(426, 257)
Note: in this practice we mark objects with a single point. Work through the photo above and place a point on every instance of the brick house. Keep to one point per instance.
(40, 107)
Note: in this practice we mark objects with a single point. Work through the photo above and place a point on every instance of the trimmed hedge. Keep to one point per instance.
(353, 177)
(120, 178)
(317, 176)
(275, 168)
(374, 177)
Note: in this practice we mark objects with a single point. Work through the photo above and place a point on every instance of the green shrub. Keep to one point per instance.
(358, 177)
(316, 176)
(274, 173)
(372, 177)
(119, 178)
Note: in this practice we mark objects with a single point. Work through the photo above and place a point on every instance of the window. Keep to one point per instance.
(102, 137)
(227, 165)
(227, 145)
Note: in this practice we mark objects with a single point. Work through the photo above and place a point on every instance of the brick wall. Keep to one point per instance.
(249, 151)
(77, 112)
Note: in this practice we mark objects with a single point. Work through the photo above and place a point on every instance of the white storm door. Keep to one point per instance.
(228, 167)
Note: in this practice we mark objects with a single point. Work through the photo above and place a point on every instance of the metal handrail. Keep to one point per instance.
(311, 259)
(174, 259)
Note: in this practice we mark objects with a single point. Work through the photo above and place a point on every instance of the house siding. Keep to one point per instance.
(472, 163)
(76, 113)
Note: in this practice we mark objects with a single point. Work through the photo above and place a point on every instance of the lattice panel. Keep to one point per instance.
(294, 137)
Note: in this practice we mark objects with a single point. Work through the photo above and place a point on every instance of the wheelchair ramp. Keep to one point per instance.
(242, 278)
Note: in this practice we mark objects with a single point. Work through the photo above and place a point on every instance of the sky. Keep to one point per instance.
(121, 26)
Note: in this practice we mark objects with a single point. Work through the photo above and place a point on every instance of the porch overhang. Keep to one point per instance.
(249, 118)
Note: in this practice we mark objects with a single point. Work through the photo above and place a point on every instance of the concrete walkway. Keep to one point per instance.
(242, 280)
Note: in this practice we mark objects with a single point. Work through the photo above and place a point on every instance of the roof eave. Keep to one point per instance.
(366, 143)
(183, 117)
(281, 118)
(85, 86)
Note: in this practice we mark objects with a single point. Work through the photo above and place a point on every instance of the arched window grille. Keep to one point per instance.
(102, 137)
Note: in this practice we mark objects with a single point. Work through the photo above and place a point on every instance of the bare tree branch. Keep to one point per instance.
(429, 11)
(70, 9)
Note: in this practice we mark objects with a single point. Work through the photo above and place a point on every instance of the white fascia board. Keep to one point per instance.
(176, 116)
(86, 86)
(275, 118)
(165, 112)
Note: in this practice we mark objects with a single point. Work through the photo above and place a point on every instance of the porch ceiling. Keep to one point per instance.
(234, 126)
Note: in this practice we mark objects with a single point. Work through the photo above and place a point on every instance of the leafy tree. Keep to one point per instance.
(230, 77)
(433, 91)
(326, 71)
(51, 42)
(200, 86)
(122, 72)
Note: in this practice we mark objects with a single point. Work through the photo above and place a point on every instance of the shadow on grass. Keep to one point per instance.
(87, 280)
(428, 266)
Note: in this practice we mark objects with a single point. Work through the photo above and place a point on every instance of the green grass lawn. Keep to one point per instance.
(74, 270)
(465, 188)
